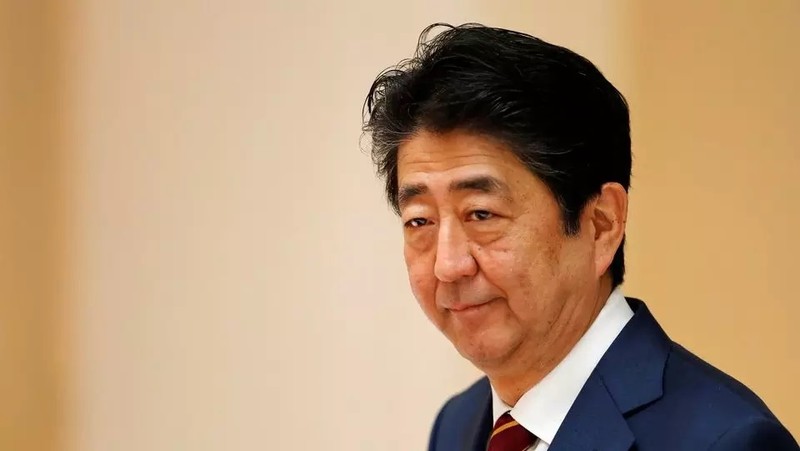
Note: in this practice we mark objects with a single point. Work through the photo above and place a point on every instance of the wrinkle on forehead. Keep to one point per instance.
(429, 156)
(443, 150)
(435, 160)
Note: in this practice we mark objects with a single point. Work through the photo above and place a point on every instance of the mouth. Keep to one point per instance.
(466, 308)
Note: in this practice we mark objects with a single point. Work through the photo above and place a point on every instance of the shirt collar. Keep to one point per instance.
(542, 409)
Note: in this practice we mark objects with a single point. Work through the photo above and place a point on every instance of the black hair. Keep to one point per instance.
(551, 107)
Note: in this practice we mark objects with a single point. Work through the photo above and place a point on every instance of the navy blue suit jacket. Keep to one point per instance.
(647, 393)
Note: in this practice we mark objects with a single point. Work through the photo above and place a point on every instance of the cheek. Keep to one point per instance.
(578, 261)
(525, 266)
(421, 278)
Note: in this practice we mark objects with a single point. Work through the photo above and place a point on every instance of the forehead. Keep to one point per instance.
(429, 156)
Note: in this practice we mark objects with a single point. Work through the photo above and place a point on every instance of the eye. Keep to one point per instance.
(416, 222)
(480, 215)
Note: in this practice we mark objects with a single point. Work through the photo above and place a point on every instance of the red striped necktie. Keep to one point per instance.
(508, 435)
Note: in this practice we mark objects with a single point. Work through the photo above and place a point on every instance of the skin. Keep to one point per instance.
(488, 259)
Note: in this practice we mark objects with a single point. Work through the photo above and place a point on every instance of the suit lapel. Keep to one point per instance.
(594, 423)
(629, 375)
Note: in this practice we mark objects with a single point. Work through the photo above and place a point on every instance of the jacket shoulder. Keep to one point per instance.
(755, 435)
(462, 418)
(700, 405)
(691, 379)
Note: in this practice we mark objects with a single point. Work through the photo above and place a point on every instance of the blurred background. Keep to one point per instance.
(195, 253)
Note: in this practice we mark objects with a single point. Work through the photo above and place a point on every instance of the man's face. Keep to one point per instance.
(487, 256)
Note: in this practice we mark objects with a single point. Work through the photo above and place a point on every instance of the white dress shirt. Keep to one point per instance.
(542, 409)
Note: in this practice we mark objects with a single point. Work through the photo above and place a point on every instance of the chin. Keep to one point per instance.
(486, 350)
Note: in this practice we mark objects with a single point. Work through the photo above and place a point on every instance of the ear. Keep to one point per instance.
(609, 215)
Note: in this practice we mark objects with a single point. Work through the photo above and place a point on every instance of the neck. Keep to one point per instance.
(527, 367)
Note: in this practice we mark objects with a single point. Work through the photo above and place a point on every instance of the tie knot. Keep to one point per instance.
(508, 435)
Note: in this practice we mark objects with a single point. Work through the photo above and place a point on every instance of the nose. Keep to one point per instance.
(453, 257)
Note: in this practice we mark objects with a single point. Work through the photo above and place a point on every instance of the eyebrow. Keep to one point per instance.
(482, 183)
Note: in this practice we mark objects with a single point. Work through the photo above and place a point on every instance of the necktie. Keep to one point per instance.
(508, 435)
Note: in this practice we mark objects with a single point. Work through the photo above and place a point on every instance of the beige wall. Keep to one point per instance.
(31, 227)
(234, 278)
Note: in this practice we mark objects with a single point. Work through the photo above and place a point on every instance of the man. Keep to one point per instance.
(508, 160)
